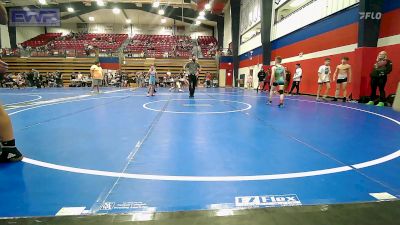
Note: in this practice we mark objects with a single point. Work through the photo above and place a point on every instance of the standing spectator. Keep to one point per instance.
(296, 79)
(382, 68)
(261, 77)
(250, 81)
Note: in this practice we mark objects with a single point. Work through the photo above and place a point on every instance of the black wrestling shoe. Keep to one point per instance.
(334, 100)
(280, 105)
(10, 154)
(344, 99)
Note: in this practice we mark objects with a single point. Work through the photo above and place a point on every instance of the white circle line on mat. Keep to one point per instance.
(248, 107)
(38, 97)
(362, 165)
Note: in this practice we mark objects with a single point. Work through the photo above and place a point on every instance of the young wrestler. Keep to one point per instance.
(324, 73)
(344, 77)
(278, 77)
(152, 74)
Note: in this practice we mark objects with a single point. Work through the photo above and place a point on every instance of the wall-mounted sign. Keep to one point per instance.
(48, 17)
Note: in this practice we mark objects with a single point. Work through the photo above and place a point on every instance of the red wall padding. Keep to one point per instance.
(390, 24)
(340, 37)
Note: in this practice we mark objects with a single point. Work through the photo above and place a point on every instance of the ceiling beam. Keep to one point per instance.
(81, 19)
(126, 15)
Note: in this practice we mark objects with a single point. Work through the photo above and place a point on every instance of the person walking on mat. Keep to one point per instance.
(278, 77)
(192, 69)
(96, 73)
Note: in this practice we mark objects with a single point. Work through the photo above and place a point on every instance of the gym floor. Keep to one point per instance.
(121, 152)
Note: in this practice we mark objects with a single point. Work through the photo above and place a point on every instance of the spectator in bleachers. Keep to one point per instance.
(37, 78)
(208, 80)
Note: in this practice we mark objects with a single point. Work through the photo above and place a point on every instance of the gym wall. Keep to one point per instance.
(334, 37)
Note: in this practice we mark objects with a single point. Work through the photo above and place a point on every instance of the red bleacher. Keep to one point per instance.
(40, 40)
(81, 41)
(208, 45)
(158, 45)
(155, 46)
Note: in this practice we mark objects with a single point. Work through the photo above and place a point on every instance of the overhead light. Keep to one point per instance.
(161, 12)
(198, 22)
(156, 4)
(100, 3)
(43, 2)
(202, 13)
(70, 9)
(128, 21)
(207, 6)
(296, 3)
(116, 10)
(163, 20)
(91, 18)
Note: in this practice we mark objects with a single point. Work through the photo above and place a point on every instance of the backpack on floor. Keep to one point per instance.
(390, 99)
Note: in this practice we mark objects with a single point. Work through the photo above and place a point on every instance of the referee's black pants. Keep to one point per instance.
(192, 84)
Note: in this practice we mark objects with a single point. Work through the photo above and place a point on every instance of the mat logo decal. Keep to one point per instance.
(123, 205)
(107, 206)
(267, 201)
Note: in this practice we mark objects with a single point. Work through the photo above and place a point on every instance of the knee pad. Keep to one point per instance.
(281, 92)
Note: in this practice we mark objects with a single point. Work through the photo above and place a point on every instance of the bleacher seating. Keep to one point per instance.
(208, 45)
(157, 46)
(141, 45)
(105, 42)
(40, 40)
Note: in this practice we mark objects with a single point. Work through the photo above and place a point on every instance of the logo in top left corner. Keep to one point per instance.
(49, 17)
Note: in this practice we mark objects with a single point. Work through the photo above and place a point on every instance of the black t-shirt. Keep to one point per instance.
(288, 75)
(261, 75)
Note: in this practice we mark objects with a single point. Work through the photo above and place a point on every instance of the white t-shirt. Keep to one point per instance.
(324, 71)
(297, 75)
